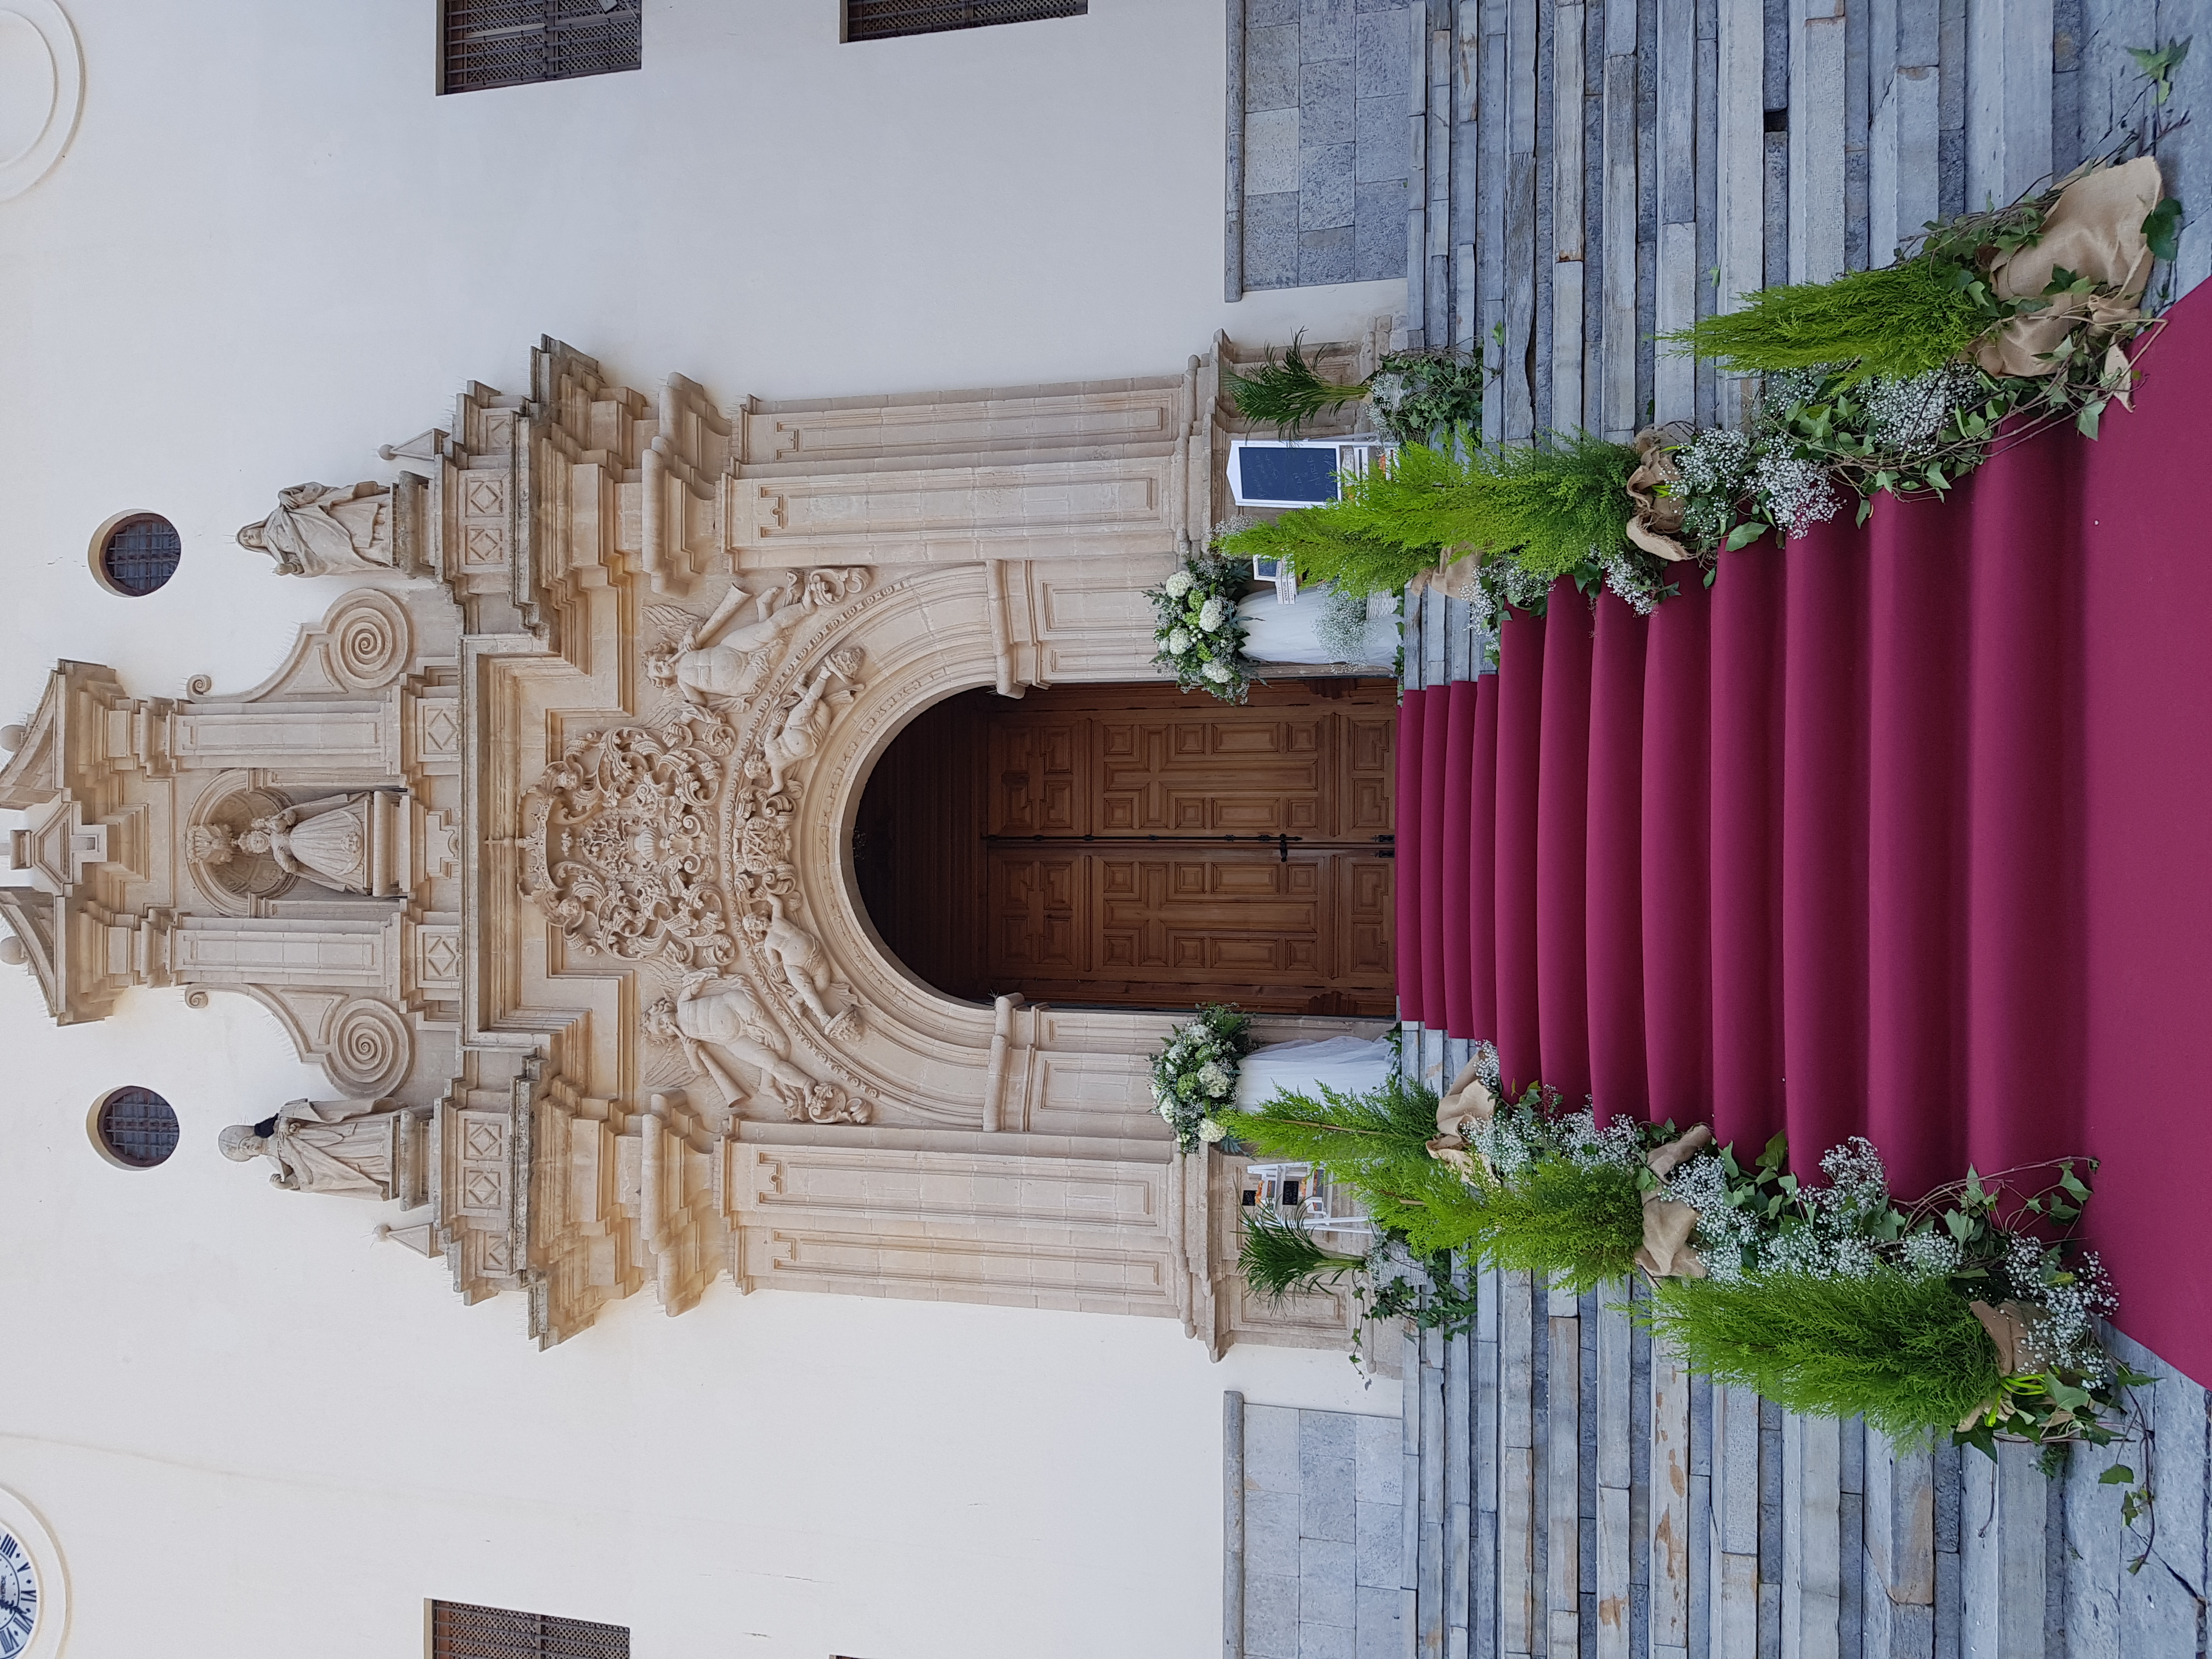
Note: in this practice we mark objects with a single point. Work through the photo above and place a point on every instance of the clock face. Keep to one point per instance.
(18, 1596)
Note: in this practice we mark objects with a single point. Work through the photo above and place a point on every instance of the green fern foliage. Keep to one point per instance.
(1286, 394)
(1280, 1258)
(1376, 1143)
(1904, 1352)
(1900, 321)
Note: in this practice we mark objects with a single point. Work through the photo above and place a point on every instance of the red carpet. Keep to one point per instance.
(1905, 831)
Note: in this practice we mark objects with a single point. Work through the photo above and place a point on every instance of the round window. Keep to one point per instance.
(134, 1127)
(136, 553)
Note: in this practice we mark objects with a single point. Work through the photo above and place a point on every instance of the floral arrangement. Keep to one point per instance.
(1195, 1077)
(1974, 1311)
(1200, 638)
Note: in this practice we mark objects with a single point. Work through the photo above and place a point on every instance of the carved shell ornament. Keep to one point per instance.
(674, 843)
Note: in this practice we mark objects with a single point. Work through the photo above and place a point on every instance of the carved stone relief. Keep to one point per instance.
(546, 866)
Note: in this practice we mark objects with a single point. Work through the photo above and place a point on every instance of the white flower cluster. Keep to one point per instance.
(1195, 1077)
(1626, 578)
(1930, 1254)
(1905, 415)
(1715, 462)
(1794, 495)
(1195, 625)
(2064, 1337)
(1342, 630)
(1519, 1136)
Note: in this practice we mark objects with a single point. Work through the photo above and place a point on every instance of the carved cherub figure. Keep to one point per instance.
(802, 729)
(713, 659)
(802, 965)
(707, 1013)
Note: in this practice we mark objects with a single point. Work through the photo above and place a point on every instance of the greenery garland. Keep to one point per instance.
(1195, 1076)
(1974, 1312)
(1898, 381)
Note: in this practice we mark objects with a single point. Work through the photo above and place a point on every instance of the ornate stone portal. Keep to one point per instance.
(549, 855)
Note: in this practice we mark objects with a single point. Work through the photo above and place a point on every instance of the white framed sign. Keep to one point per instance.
(1294, 471)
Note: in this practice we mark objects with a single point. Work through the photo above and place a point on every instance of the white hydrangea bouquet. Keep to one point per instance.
(1195, 625)
(1195, 1079)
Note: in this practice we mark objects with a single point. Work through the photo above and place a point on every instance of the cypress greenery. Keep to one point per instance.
(1280, 1258)
(1323, 546)
(1553, 505)
(1904, 1352)
(1580, 1226)
(1900, 321)
(1376, 1143)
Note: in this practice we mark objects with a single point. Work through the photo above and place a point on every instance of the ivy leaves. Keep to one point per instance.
(2157, 66)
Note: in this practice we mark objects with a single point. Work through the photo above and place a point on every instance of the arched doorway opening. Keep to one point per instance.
(1128, 846)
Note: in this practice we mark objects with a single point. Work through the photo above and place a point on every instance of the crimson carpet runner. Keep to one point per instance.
(1905, 831)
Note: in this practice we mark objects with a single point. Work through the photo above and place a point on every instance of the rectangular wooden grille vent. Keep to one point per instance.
(461, 1629)
(508, 43)
(879, 20)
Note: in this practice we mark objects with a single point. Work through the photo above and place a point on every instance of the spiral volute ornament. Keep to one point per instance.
(367, 1049)
(369, 640)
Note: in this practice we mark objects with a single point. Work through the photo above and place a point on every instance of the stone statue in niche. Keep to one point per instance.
(318, 530)
(343, 1147)
(343, 842)
(709, 1013)
(711, 659)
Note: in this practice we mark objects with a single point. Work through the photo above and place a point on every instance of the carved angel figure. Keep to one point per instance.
(713, 659)
(807, 722)
(709, 1013)
(342, 1146)
(798, 958)
(328, 841)
(320, 531)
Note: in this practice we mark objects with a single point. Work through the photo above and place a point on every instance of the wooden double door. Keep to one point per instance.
(1136, 847)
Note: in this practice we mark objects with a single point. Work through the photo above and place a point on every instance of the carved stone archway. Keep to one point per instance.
(626, 982)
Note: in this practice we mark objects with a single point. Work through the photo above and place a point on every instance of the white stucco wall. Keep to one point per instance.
(269, 249)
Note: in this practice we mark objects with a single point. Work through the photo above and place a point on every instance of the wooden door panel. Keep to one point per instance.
(1241, 772)
(1037, 778)
(1365, 912)
(1039, 911)
(1367, 751)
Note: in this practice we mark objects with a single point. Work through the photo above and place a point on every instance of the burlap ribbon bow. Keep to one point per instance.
(2011, 1326)
(1667, 1252)
(1465, 1103)
(1658, 517)
(2094, 229)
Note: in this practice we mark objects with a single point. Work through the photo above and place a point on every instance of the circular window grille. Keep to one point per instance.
(136, 1127)
(139, 553)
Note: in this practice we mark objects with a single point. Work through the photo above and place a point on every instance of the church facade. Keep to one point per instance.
(474, 847)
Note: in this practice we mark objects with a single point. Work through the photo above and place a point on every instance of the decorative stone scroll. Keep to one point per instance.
(617, 841)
